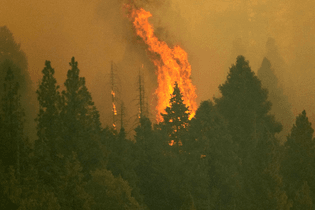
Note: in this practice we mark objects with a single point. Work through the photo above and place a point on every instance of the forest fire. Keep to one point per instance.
(172, 65)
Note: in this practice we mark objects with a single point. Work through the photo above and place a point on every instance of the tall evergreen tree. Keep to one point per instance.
(14, 146)
(298, 166)
(176, 165)
(80, 121)
(12, 141)
(48, 130)
(215, 146)
(245, 106)
(176, 118)
(48, 127)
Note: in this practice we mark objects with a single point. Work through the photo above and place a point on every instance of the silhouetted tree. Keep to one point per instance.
(176, 118)
(48, 129)
(48, 126)
(80, 121)
(18, 188)
(12, 140)
(298, 166)
(215, 145)
(244, 105)
(176, 165)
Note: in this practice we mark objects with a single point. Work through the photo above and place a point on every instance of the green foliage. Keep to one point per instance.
(110, 192)
(72, 190)
(303, 198)
(226, 157)
(48, 129)
(244, 103)
(26, 193)
(48, 126)
(215, 145)
(298, 164)
(80, 121)
(12, 141)
(245, 106)
(147, 153)
(121, 162)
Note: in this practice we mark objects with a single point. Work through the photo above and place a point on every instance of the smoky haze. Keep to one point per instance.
(213, 33)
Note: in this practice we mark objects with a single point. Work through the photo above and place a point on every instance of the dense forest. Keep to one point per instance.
(228, 156)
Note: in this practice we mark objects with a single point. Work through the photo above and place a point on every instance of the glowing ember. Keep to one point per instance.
(172, 65)
(114, 108)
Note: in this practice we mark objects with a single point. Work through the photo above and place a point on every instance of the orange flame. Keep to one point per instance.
(114, 109)
(172, 65)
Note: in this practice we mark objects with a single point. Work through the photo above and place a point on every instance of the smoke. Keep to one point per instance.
(212, 32)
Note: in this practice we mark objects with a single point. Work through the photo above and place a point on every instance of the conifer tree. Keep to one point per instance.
(244, 103)
(15, 148)
(12, 141)
(80, 121)
(176, 118)
(46, 159)
(245, 106)
(178, 165)
(48, 127)
(216, 148)
(298, 165)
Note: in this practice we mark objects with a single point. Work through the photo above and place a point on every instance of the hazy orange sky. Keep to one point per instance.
(212, 32)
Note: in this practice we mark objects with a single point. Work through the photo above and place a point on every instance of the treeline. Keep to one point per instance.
(227, 157)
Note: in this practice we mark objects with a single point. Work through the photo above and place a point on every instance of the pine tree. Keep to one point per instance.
(298, 165)
(80, 121)
(47, 145)
(177, 166)
(48, 127)
(176, 118)
(245, 106)
(244, 103)
(215, 146)
(12, 141)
